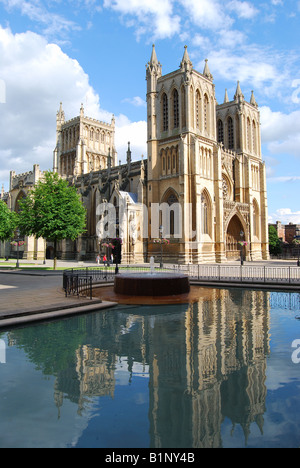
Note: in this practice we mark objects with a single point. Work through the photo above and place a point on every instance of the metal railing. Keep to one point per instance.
(79, 282)
(76, 285)
(260, 274)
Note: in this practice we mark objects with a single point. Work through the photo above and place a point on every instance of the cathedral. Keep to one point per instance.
(199, 196)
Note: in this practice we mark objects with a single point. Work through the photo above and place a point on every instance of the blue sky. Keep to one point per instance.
(95, 52)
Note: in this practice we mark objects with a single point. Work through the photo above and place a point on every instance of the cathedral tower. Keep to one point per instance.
(206, 160)
(83, 145)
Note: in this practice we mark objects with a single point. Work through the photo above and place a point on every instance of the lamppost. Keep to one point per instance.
(297, 242)
(18, 241)
(242, 247)
(161, 230)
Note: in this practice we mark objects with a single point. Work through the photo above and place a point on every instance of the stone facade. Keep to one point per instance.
(208, 157)
(19, 187)
(204, 175)
(83, 145)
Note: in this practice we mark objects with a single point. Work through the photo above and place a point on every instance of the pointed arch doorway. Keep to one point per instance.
(233, 237)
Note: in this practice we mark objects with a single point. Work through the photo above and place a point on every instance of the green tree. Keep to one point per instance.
(8, 222)
(274, 242)
(53, 210)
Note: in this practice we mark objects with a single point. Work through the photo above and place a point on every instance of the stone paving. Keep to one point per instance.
(32, 293)
(22, 293)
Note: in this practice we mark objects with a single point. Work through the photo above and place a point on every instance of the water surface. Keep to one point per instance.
(221, 372)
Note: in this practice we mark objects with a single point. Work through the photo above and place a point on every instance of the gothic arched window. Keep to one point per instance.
(220, 132)
(204, 215)
(230, 133)
(255, 219)
(249, 135)
(176, 108)
(183, 106)
(165, 113)
(206, 113)
(20, 197)
(198, 110)
(254, 136)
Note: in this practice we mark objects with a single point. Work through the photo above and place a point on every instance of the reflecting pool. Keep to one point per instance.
(221, 372)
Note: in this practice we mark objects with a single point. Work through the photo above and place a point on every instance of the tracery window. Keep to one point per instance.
(230, 133)
(176, 108)
(249, 135)
(225, 189)
(165, 113)
(220, 132)
(254, 136)
(183, 106)
(198, 110)
(206, 113)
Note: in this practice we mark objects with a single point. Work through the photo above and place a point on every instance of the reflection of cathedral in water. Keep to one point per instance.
(218, 372)
(206, 362)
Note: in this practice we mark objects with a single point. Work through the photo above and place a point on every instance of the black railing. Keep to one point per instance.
(77, 285)
(79, 282)
(251, 274)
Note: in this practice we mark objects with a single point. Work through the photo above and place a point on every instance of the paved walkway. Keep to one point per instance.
(35, 295)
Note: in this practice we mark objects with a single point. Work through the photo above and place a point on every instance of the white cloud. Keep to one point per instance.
(284, 179)
(133, 132)
(285, 215)
(2, 92)
(155, 18)
(207, 14)
(296, 93)
(164, 18)
(281, 132)
(38, 76)
(250, 64)
(199, 40)
(244, 10)
(53, 25)
(136, 101)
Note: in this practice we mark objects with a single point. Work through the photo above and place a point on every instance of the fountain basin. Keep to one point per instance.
(151, 284)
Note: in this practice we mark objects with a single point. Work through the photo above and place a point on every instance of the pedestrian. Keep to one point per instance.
(104, 259)
(98, 259)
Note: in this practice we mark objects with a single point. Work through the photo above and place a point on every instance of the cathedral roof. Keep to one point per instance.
(133, 197)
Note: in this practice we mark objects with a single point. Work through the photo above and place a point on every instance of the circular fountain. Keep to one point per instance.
(151, 284)
(148, 288)
(148, 284)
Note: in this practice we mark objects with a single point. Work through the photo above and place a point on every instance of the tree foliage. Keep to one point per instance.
(8, 222)
(274, 241)
(53, 211)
